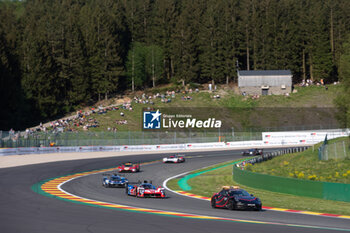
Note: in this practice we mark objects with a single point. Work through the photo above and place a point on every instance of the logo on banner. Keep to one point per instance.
(152, 120)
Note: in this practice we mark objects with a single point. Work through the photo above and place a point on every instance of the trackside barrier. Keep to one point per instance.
(269, 139)
(307, 188)
(302, 137)
(188, 146)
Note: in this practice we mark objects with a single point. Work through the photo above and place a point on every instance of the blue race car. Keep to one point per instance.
(115, 180)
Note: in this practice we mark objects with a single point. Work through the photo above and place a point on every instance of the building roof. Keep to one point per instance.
(264, 72)
(256, 78)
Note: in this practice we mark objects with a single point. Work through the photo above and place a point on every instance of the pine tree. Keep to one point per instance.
(342, 100)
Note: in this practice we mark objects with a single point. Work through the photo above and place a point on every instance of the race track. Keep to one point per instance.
(23, 210)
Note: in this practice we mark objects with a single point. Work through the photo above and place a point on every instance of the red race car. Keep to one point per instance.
(129, 167)
(145, 189)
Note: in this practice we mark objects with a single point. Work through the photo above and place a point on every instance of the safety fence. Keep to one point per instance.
(108, 138)
(337, 150)
(307, 188)
(46, 139)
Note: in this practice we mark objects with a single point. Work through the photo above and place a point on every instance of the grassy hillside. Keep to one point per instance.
(297, 108)
(306, 165)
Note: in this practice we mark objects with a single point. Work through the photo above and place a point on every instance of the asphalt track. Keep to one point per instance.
(23, 210)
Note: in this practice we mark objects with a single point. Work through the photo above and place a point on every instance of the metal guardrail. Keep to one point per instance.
(270, 155)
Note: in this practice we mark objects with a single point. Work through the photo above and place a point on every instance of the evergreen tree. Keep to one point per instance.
(59, 55)
(342, 100)
(154, 64)
(136, 64)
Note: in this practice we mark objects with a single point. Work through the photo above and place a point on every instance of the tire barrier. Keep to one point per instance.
(294, 186)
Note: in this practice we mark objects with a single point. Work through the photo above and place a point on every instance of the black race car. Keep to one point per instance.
(233, 198)
(252, 152)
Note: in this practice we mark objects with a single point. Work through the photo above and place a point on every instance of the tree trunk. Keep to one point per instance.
(172, 68)
(332, 35)
(133, 72)
(153, 73)
(311, 69)
(166, 69)
(247, 43)
(304, 66)
(254, 39)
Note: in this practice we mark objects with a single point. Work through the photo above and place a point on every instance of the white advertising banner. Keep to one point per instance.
(268, 139)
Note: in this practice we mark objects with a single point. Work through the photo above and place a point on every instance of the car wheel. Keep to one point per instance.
(231, 205)
(258, 208)
(213, 203)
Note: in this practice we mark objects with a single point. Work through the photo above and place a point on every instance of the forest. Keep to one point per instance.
(62, 54)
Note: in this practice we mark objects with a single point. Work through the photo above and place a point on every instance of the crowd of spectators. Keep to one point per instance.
(310, 82)
(87, 119)
(83, 119)
(150, 99)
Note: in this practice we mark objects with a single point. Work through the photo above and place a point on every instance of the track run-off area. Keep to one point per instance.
(74, 200)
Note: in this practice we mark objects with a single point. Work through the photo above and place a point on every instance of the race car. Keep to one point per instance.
(233, 198)
(145, 189)
(174, 159)
(129, 167)
(114, 181)
(252, 152)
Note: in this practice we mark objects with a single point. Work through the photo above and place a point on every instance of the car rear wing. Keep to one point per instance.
(140, 182)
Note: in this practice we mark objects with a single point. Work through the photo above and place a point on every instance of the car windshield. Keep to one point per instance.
(115, 178)
(148, 186)
(128, 165)
(238, 193)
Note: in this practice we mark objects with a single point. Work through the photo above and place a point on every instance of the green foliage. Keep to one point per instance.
(69, 53)
(342, 100)
(136, 65)
(154, 63)
(144, 65)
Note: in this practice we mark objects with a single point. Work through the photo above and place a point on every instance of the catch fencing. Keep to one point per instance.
(269, 136)
(47, 139)
(337, 150)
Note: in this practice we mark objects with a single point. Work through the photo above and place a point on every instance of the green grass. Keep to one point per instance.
(313, 96)
(242, 111)
(306, 165)
(209, 183)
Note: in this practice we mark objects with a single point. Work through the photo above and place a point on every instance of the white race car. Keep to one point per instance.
(174, 159)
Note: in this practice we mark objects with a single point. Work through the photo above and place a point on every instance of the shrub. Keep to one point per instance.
(301, 175)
